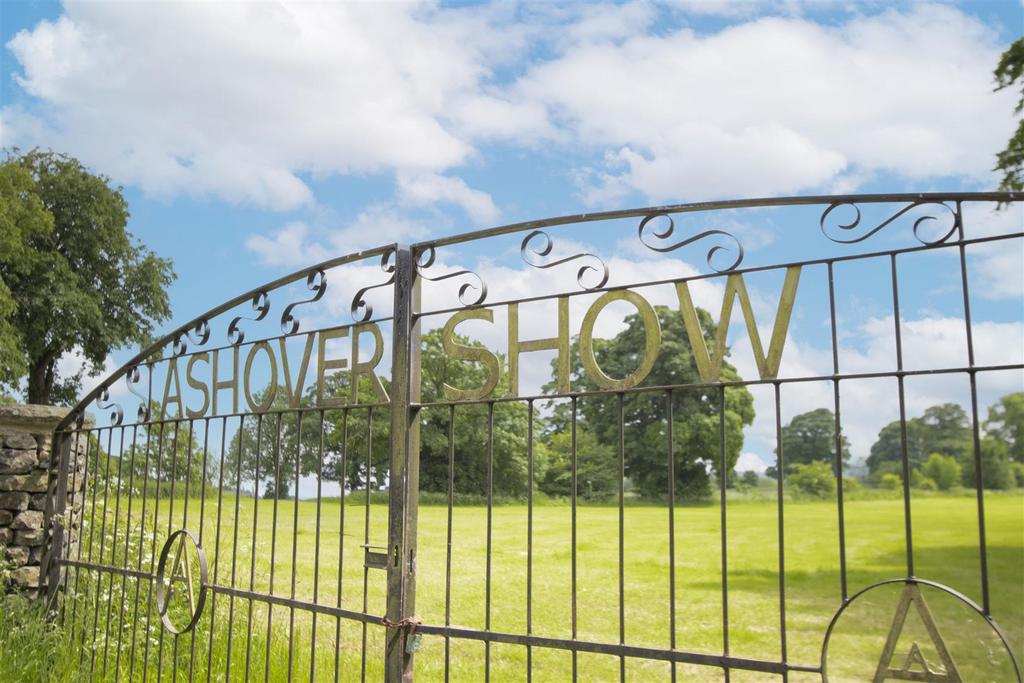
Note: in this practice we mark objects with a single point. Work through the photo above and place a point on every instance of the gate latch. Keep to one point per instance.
(374, 558)
(412, 638)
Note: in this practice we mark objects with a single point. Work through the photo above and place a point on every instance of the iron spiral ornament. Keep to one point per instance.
(362, 310)
(654, 238)
(198, 334)
(425, 260)
(132, 378)
(852, 231)
(316, 282)
(103, 402)
(261, 304)
(537, 244)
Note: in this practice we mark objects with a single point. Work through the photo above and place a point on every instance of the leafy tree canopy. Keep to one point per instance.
(75, 280)
(945, 430)
(810, 437)
(1006, 422)
(813, 479)
(1011, 160)
(271, 448)
(509, 445)
(695, 411)
(944, 470)
(942, 429)
(22, 218)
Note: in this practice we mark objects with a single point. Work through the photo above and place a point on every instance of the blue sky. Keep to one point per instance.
(254, 139)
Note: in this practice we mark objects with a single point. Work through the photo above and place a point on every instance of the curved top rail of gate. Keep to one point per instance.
(841, 221)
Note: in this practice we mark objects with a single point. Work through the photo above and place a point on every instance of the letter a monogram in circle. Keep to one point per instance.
(913, 666)
(179, 548)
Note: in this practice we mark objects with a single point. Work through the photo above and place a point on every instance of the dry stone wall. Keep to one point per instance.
(26, 461)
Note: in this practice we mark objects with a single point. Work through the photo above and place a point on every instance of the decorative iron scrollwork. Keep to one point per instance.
(361, 308)
(425, 259)
(855, 223)
(199, 334)
(131, 378)
(648, 229)
(316, 282)
(528, 252)
(103, 402)
(260, 304)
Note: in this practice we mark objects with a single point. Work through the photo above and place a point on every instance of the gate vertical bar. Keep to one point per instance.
(403, 488)
(56, 502)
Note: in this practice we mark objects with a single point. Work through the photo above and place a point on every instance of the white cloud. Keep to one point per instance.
(239, 100)
(245, 102)
(289, 246)
(297, 244)
(778, 105)
(750, 462)
(996, 269)
(425, 189)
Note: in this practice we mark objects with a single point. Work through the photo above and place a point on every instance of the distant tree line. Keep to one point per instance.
(940, 449)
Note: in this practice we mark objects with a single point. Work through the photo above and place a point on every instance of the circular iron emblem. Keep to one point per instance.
(177, 593)
(915, 630)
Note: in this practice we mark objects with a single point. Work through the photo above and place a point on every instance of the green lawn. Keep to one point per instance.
(945, 550)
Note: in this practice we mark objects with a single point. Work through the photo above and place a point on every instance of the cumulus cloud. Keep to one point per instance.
(778, 105)
(425, 189)
(750, 462)
(247, 102)
(242, 101)
(298, 244)
(289, 246)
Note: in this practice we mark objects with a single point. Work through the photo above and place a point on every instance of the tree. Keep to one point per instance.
(813, 479)
(22, 218)
(890, 481)
(509, 437)
(85, 285)
(810, 437)
(995, 466)
(886, 452)
(749, 478)
(1011, 160)
(267, 446)
(169, 451)
(944, 470)
(919, 480)
(1006, 422)
(941, 429)
(695, 424)
(597, 466)
(1017, 470)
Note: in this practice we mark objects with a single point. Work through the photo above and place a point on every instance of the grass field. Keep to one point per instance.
(945, 536)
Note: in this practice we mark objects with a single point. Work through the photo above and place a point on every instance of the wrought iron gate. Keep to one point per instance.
(163, 569)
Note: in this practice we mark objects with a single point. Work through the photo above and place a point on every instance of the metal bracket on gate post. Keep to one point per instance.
(374, 559)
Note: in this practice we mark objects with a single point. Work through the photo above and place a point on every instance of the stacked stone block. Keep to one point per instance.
(26, 462)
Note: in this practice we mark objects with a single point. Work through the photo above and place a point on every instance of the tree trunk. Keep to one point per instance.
(40, 381)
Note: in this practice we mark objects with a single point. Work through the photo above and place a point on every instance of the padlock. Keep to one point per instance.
(412, 643)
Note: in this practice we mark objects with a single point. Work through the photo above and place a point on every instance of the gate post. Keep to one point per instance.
(404, 474)
(53, 516)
